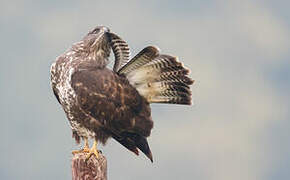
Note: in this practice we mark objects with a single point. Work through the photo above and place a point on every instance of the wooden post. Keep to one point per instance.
(93, 169)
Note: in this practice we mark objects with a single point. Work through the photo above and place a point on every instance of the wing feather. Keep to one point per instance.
(115, 106)
(120, 49)
(112, 101)
(160, 79)
(143, 57)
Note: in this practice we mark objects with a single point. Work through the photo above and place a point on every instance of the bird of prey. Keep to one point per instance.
(101, 103)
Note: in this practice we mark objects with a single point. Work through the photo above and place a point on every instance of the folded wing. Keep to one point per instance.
(158, 77)
(115, 106)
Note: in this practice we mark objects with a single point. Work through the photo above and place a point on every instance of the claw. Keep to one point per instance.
(93, 151)
(86, 148)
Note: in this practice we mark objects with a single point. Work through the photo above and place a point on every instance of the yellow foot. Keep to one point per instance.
(93, 151)
(86, 148)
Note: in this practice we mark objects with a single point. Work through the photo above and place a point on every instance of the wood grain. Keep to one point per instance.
(93, 169)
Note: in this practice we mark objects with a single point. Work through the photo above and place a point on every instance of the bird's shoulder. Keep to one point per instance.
(97, 84)
(110, 98)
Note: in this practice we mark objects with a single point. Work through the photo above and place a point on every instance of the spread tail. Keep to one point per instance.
(159, 78)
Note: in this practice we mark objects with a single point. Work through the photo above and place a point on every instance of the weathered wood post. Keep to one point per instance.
(93, 169)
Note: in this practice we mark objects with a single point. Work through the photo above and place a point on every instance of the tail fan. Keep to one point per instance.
(159, 78)
(132, 141)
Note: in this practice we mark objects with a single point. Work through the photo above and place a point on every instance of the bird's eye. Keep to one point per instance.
(96, 31)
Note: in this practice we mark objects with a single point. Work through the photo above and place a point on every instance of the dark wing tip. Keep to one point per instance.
(149, 155)
(152, 49)
(191, 81)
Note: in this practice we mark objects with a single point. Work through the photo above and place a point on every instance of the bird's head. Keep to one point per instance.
(97, 45)
(96, 42)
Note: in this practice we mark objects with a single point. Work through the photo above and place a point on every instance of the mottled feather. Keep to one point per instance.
(112, 101)
(114, 105)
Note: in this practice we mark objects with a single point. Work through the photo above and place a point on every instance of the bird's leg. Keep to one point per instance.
(93, 150)
(86, 148)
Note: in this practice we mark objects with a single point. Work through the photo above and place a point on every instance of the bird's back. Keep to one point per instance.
(111, 99)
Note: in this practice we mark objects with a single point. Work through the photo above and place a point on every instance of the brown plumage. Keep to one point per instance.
(101, 103)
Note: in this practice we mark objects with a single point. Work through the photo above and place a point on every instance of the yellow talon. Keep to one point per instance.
(93, 151)
(86, 148)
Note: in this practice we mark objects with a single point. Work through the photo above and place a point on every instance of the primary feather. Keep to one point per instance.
(120, 49)
(159, 78)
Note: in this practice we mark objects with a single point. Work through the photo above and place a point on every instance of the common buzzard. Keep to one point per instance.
(101, 103)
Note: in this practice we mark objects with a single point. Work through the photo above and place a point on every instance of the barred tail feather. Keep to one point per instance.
(159, 78)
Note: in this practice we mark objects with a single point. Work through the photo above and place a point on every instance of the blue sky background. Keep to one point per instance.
(238, 52)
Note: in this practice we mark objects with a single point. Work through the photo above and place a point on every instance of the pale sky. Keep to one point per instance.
(238, 53)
